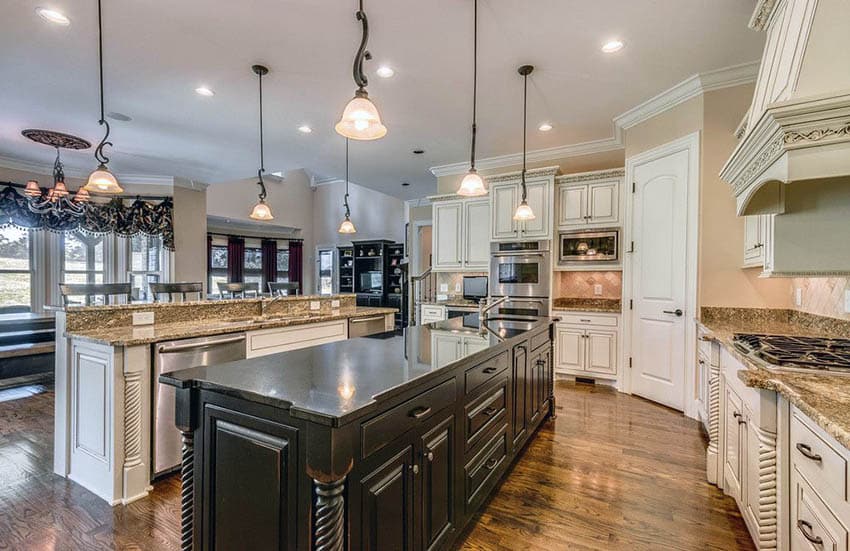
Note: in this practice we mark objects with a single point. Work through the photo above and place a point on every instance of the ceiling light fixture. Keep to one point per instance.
(261, 210)
(53, 16)
(385, 71)
(347, 225)
(57, 201)
(204, 91)
(472, 184)
(523, 211)
(305, 129)
(102, 180)
(360, 119)
(612, 46)
(545, 127)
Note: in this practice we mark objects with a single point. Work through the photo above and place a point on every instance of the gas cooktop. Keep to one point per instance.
(797, 353)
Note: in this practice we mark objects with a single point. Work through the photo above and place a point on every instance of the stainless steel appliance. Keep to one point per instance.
(520, 269)
(171, 356)
(520, 307)
(791, 353)
(456, 311)
(589, 246)
(367, 325)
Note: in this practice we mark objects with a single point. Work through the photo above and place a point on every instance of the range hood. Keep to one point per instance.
(798, 126)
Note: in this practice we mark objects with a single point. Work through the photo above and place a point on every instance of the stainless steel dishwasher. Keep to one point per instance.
(367, 325)
(171, 356)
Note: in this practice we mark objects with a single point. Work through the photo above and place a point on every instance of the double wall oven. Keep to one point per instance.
(520, 270)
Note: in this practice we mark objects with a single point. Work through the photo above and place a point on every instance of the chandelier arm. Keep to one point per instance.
(362, 53)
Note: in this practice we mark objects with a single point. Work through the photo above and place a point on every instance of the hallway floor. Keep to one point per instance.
(611, 472)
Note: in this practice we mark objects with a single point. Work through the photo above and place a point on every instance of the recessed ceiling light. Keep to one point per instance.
(545, 127)
(612, 46)
(114, 115)
(304, 129)
(385, 71)
(405, 184)
(53, 16)
(204, 91)
(418, 151)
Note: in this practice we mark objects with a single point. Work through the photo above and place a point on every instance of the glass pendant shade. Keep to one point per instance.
(472, 185)
(32, 189)
(524, 212)
(103, 181)
(361, 120)
(347, 226)
(261, 211)
(82, 196)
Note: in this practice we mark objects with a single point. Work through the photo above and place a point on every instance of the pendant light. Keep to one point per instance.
(102, 180)
(347, 225)
(360, 119)
(472, 184)
(523, 211)
(261, 210)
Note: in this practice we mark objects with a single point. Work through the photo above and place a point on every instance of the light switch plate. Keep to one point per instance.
(334, 304)
(597, 289)
(315, 305)
(142, 318)
(798, 296)
(847, 300)
(444, 287)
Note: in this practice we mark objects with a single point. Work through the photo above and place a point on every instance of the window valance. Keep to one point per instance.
(126, 220)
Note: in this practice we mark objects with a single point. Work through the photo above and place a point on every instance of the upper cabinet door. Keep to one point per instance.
(540, 203)
(753, 241)
(447, 235)
(572, 205)
(476, 236)
(604, 202)
(504, 201)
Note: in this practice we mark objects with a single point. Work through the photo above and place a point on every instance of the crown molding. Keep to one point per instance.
(593, 175)
(534, 173)
(762, 14)
(47, 170)
(691, 87)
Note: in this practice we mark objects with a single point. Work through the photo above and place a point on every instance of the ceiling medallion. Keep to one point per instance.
(57, 200)
(56, 139)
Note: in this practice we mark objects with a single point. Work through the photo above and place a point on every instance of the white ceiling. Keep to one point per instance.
(159, 51)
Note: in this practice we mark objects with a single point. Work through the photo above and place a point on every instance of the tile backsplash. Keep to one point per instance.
(581, 284)
(823, 296)
(454, 280)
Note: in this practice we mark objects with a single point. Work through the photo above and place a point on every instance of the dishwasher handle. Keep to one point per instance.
(162, 349)
(364, 320)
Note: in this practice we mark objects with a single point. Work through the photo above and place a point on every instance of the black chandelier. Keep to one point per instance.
(57, 200)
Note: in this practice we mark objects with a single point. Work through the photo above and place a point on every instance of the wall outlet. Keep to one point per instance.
(457, 287)
(597, 289)
(142, 318)
(847, 300)
(335, 304)
(444, 287)
(315, 305)
(798, 296)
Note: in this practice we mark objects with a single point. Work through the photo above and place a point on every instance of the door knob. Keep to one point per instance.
(677, 312)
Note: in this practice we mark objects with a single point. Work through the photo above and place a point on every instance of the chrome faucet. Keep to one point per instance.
(485, 306)
(265, 303)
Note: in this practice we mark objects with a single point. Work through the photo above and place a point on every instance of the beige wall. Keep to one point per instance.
(686, 118)
(190, 233)
(375, 215)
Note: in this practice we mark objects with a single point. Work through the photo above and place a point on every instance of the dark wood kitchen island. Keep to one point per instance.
(377, 443)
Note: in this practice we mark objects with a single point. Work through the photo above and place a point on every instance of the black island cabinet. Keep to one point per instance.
(388, 443)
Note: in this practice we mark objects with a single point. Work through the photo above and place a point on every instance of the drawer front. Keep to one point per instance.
(383, 429)
(538, 340)
(484, 413)
(433, 312)
(578, 318)
(269, 341)
(817, 459)
(483, 372)
(482, 472)
(813, 526)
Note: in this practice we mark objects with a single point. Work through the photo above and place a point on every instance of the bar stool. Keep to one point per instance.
(172, 289)
(108, 291)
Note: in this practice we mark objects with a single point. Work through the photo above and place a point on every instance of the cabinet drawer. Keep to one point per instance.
(481, 473)
(433, 311)
(485, 371)
(538, 340)
(381, 430)
(818, 460)
(269, 341)
(579, 318)
(485, 412)
(813, 526)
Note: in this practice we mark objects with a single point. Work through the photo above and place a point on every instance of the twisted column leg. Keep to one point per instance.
(329, 516)
(187, 491)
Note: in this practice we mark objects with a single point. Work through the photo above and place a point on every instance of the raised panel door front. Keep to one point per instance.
(538, 199)
(387, 516)
(604, 202)
(602, 351)
(732, 438)
(520, 394)
(445, 348)
(572, 206)
(569, 348)
(476, 235)
(447, 234)
(438, 483)
(504, 201)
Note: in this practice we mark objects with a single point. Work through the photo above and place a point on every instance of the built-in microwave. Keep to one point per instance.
(589, 246)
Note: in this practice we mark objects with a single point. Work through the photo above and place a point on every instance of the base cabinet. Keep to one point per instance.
(387, 518)
(587, 345)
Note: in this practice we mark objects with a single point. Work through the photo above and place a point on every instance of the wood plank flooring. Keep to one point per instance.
(611, 472)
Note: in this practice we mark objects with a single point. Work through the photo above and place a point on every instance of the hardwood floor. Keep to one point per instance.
(611, 472)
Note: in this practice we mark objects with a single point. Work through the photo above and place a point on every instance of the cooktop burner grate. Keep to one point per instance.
(817, 353)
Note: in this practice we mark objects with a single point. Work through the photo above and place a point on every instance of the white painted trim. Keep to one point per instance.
(691, 144)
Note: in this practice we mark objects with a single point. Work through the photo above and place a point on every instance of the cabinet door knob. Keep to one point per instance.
(806, 450)
(429, 456)
(415, 469)
(491, 464)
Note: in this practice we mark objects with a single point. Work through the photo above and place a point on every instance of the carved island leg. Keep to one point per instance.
(187, 491)
(329, 515)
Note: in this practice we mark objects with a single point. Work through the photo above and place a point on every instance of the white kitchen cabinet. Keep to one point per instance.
(432, 312)
(586, 344)
(569, 348)
(460, 236)
(707, 400)
(601, 351)
(282, 339)
(755, 236)
(505, 196)
(733, 435)
(589, 200)
(448, 347)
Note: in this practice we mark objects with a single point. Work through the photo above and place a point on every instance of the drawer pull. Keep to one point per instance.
(807, 451)
(489, 412)
(491, 464)
(806, 529)
(420, 412)
(488, 370)
(584, 321)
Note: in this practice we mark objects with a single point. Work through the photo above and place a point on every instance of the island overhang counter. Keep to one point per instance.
(388, 442)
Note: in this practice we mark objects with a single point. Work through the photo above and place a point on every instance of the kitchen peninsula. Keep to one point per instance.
(369, 443)
(113, 418)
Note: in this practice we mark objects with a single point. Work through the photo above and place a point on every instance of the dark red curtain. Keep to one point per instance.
(296, 256)
(269, 249)
(235, 259)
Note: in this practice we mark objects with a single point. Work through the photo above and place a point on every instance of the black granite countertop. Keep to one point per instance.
(338, 382)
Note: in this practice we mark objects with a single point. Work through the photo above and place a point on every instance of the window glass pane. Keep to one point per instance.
(14, 249)
(145, 253)
(14, 289)
(283, 277)
(215, 280)
(219, 257)
(253, 259)
(82, 252)
(254, 279)
(283, 260)
(75, 255)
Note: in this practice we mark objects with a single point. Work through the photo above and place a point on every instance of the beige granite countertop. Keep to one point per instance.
(135, 335)
(575, 304)
(824, 398)
(453, 302)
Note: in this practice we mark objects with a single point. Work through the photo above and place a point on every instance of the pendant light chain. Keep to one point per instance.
(98, 152)
(474, 83)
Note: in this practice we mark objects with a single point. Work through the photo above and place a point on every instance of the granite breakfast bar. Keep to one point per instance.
(369, 443)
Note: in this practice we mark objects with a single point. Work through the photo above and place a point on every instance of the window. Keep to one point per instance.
(145, 265)
(82, 261)
(326, 272)
(15, 270)
(252, 267)
(283, 262)
(218, 266)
